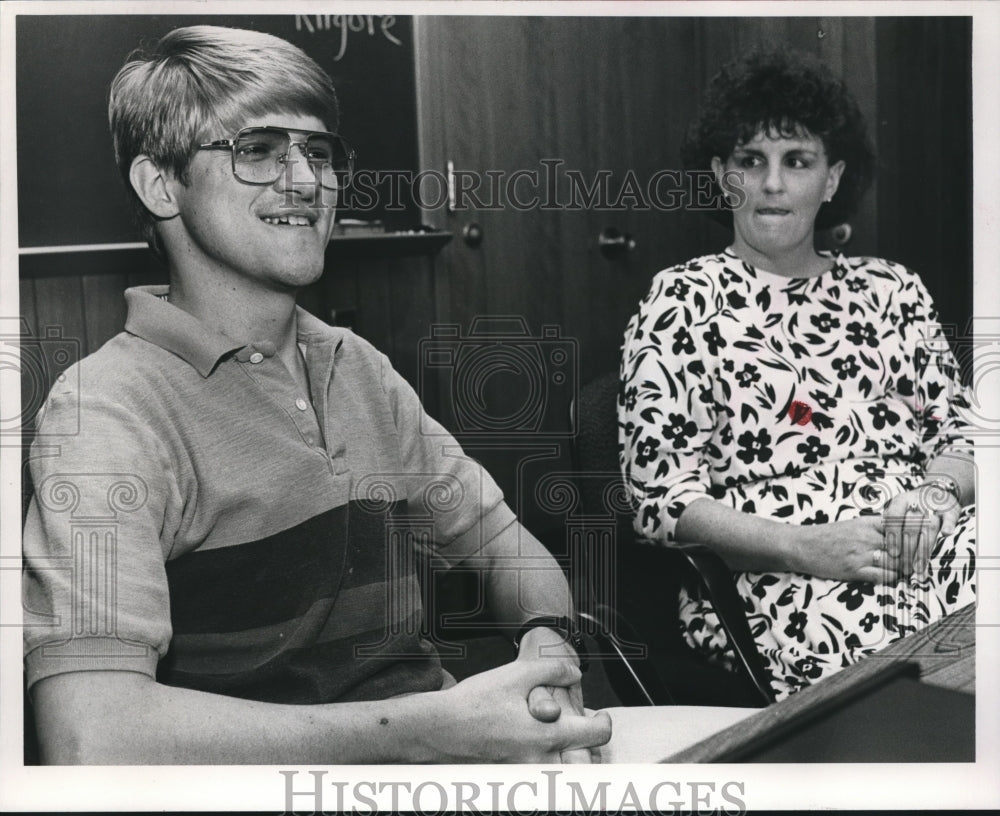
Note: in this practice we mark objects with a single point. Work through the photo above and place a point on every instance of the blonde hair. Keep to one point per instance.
(201, 83)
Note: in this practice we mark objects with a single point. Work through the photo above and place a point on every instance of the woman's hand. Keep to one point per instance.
(852, 550)
(912, 521)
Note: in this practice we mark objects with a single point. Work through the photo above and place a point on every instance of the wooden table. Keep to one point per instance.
(945, 652)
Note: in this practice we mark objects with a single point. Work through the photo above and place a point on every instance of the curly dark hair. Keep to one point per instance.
(783, 92)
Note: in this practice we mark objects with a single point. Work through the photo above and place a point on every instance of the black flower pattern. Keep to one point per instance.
(868, 621)
(823, 400)
(882, 416)
(714, 364)
(846, 367)
(754, 446)
(813, 450)
(854, 594)
(825, 321)
(646, 451)
(680, 430)
(870, 470)
(748, 376)
(678, 289)
(809, 667)
(862, 335)
(796, 626)
(715, 340)
(683, 341)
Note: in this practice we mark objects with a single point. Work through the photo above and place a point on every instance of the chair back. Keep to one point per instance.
(595, 415)
(646, 580)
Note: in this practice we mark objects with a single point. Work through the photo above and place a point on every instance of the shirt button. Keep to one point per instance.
(301, 404)
(256, 357)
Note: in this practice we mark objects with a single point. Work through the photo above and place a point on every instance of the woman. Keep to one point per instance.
(798, 411)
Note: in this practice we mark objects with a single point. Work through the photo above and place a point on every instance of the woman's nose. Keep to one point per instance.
(774, 178)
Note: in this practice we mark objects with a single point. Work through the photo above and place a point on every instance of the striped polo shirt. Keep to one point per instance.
(198, 519)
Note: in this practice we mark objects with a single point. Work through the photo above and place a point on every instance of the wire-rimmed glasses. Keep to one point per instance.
(260, 155)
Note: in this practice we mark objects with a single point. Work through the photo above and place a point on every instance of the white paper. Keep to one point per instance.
(653, 733)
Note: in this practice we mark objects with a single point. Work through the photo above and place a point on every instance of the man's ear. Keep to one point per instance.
(154, 186)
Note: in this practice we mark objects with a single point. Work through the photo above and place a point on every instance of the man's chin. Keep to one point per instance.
(306, 271)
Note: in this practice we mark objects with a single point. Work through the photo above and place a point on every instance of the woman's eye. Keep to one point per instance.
(748, 162)
(798, 163)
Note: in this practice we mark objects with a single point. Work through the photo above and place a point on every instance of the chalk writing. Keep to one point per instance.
(367, 24)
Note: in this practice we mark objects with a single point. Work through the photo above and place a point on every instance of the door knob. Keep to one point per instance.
(472, 234)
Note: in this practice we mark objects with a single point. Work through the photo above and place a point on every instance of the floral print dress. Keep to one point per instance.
(802, 400)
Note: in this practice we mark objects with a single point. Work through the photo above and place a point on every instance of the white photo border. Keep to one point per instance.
(915, 787)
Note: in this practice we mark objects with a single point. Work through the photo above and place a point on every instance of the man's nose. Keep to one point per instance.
(297, 173)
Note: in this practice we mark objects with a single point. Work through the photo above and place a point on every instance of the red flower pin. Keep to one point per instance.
(800, 413)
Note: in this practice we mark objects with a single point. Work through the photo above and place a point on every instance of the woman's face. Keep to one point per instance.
(776, 186)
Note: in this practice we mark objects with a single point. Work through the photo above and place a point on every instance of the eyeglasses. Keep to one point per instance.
(260, 155)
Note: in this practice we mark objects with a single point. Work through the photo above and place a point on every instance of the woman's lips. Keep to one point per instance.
(772, 211)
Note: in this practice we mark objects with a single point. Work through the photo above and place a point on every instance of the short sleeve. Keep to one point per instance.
(94, 585)
(666, 408)
(466, 505)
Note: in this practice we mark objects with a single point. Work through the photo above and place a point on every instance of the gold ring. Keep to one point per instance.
(877, 557)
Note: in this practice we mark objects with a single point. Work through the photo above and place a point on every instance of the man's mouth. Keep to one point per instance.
(289, 220)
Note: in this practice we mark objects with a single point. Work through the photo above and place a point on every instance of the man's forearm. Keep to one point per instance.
(95, 718)
(105, 717)
(523, 580)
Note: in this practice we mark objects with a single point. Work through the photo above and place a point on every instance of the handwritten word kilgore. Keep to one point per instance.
(346, 24)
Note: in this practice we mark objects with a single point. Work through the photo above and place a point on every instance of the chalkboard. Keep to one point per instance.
(69, 189)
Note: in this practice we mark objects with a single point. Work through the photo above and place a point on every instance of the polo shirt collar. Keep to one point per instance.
(152, 318)
(311, 329)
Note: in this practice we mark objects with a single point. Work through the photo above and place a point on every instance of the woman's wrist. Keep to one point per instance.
(794, 542)
(940, 488)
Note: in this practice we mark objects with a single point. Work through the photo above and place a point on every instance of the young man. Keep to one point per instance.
(217, 564)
